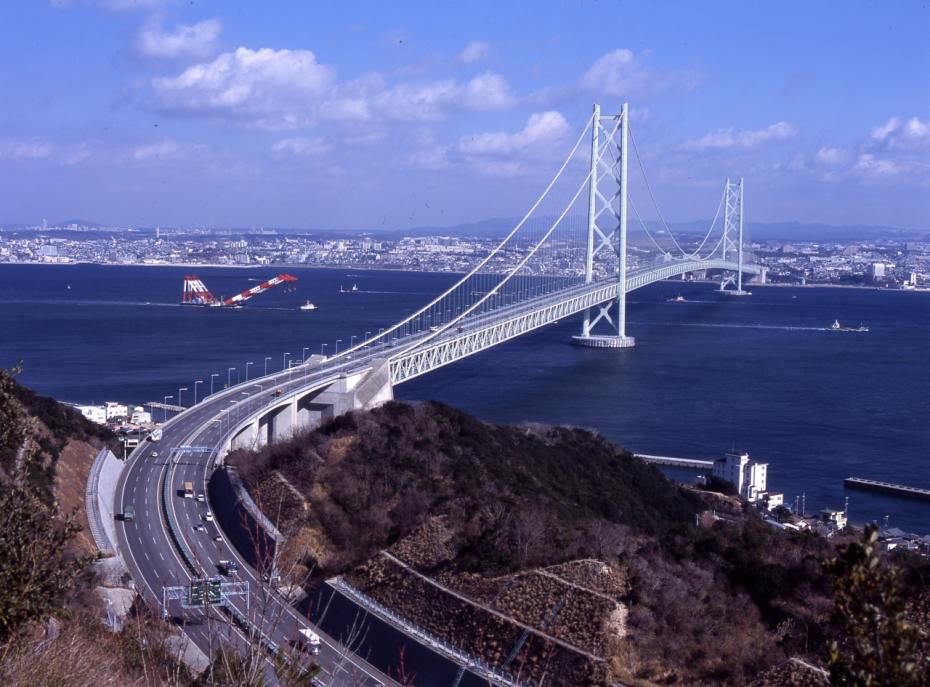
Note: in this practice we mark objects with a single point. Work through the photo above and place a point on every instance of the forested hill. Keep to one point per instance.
(484, 534)
(383, 472)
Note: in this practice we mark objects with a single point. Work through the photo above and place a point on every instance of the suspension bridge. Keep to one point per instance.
(571, 254)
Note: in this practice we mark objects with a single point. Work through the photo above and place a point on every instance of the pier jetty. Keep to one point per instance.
(887, 488)
(677, 462)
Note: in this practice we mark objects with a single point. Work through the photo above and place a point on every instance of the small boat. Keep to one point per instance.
(677, 299)
(308, 306)
(837, 327)
(355, 287)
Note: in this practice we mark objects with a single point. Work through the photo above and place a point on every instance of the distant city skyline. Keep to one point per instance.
(365, 116)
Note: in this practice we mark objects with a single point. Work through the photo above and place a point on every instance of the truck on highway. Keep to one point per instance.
(129, 513)
(228, 567)
(188, 489)
(309, 640)
(155, 435)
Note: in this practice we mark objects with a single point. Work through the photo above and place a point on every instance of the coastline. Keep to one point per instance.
(368, 268)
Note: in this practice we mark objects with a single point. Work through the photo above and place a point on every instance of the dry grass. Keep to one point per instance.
(81, 653)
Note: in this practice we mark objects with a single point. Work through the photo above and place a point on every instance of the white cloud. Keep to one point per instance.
(272, 88)
(831, 157)
(880, 133)
(418, 102)
(165, 150)
(283, 89)
(194, 40)
(622, 73)
(741, 139)
(78, 154)
(31, 149)
(541, 130)
(895, 133)
(871, 166)
(474, 52)
(301, 147)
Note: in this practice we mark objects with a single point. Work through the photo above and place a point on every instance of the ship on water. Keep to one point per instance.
(837, 327)
(308, 306)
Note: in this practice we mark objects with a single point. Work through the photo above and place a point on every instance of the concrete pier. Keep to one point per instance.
(887, 488)
(677, 462)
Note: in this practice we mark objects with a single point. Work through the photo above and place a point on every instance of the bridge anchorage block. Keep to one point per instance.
(604, 341)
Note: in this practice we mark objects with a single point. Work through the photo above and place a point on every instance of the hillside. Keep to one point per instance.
(51, 631)
(548, 552)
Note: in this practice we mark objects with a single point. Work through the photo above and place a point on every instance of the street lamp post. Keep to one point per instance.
(351, 341)
(215, 374)
(322, 348)
(267, 358)
(247, 371)
(183, 388)
(284, 364)
(303, 358)
(196, 382)
(166, 407)
(367, 334)
(229, 377)
(338, 341)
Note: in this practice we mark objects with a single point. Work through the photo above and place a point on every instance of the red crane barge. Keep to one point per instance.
(194, 292)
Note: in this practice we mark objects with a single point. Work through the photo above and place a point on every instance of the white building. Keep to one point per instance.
(114, 409)
(748, 476)
(96, 414)
(878, 270)
(772, 500)
(140, 416)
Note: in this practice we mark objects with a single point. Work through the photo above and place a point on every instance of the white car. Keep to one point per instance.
(208, 516)
(199, 528)
(154, 454)
(201, 498)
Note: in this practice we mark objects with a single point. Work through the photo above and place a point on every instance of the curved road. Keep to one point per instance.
(155, 559)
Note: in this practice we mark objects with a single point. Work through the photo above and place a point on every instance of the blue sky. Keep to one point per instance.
(354, 115)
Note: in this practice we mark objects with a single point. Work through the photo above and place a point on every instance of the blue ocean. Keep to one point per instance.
(763, 374)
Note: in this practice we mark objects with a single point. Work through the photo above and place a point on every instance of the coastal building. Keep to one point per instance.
(748, 476)
(96, 414)
(772, 500)
(112, 409)
(140, 416)
(836, 518)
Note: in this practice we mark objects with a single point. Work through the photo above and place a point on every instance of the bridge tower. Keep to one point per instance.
(732, 241)
(607, 221)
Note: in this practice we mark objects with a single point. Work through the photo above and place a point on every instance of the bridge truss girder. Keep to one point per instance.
(440, 352)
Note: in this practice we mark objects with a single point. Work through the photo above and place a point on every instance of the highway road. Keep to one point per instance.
(156, 559)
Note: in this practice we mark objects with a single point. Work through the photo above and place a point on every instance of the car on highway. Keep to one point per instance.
(208, 516)
(217, 538)
(199, 528)
(154, 454)
(201, 498)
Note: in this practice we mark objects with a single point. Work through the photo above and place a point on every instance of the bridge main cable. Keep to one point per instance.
(497, 249)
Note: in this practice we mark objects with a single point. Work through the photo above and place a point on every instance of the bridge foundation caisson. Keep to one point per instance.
(613, 204)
